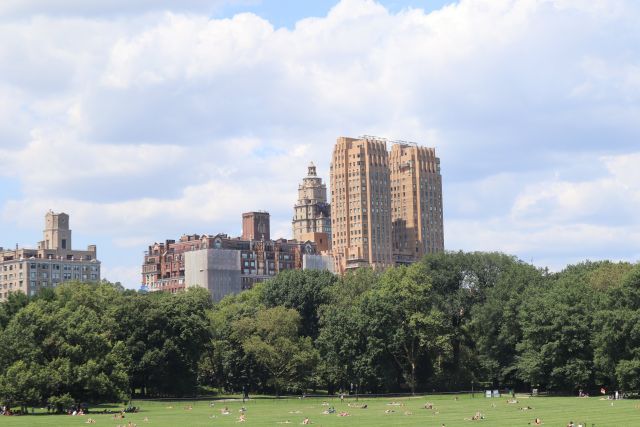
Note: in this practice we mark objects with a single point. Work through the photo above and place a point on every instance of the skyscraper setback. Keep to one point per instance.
(416, 202)
(386, 208)
(361, 203)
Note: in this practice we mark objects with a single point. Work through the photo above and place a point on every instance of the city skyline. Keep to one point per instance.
(151, 121)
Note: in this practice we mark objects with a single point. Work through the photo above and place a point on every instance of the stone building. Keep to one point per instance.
(53, 262)
(312, 213)
(416, 202)
(386, 208)
(360, 203)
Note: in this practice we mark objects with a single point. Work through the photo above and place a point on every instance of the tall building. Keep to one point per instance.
(53, 262)
(361, 203)
(312, 213)
(416, 202)
(256, 226)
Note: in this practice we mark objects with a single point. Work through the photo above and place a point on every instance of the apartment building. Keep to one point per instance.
(386, 207)
(416, 202)
(223, 264)
(311, 213)
(361, 203)
(54, 261)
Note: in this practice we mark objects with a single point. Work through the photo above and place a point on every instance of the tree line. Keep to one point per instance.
(453, 321)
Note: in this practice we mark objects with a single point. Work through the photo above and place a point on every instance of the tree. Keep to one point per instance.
(555, 350)
(225, 364)
(616, 336)
(166, 336)
(303, 290)
(461, 281)
(349, 355)
(403, 315)
(63, 346)
(273, 341)
(495, 327)
(14, 303)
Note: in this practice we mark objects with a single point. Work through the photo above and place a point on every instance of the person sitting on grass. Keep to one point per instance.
(90, 421)
(428, 405)
(537, 422)
(225, 411)
(477, 417)
(242, 418)
(306, 421)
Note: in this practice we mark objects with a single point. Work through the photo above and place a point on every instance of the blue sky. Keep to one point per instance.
(285, 13)
(148, 119)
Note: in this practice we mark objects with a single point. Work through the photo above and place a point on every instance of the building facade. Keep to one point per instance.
(416, 202)
(163, 267)
(360, 204)
(256, 226)
(312, 213)
(53, 262)
(386, 208)
(220, 263)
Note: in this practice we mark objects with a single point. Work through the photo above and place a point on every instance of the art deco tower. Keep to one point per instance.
(360, 203)
(416, 202)
(312, 214)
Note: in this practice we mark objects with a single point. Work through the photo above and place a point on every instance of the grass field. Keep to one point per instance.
(553, 411)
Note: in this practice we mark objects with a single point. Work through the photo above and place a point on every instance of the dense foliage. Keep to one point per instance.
(452, 321)
(81, 342)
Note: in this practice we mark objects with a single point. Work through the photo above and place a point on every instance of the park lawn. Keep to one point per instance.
(554, 411)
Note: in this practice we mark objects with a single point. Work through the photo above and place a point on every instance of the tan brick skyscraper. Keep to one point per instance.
(416, 202)
(361, 203)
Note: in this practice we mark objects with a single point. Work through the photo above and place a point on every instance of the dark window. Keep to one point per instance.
(64, 243)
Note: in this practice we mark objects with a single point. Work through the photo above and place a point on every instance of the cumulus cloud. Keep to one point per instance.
(151, 119)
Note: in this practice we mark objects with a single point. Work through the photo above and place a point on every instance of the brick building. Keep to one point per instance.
(360, 203)
(386, 208)
(416, 202)
(225, 264)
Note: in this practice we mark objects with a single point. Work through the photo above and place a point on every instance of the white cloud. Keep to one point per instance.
(149, 120)
(100, 8)
(558, 221)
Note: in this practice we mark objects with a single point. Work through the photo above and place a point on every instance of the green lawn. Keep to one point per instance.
(554, 411)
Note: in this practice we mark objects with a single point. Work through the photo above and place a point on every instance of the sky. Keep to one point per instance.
(145, 120)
